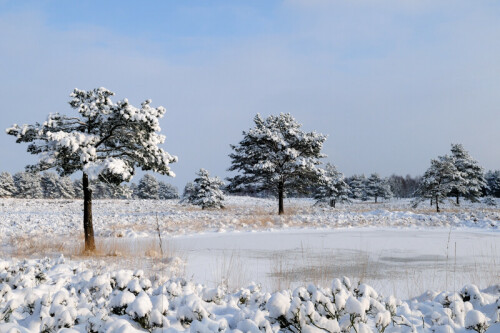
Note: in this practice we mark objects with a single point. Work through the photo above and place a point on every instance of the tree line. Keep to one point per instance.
(49, 185)
(108, 140)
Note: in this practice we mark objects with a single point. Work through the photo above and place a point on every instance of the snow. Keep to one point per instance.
(407, 268)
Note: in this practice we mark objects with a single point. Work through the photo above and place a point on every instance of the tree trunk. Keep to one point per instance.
(88, 228)
(458, 201)
(431, 201)
(437, 204)
(332, 202)
(281, 190)
(375, 199)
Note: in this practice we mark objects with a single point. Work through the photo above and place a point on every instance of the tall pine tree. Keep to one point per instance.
(438, 181)
(276, 155)
(377, 187)
(104, 140)
(473, 182)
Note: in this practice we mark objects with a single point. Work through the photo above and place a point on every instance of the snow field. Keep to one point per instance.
(47, 295)
(137, 218)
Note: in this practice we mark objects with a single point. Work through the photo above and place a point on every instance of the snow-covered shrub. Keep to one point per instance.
(476, 320)
(140, 310)
(71, 298)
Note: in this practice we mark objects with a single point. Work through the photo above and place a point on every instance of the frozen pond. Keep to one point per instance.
(402, 262)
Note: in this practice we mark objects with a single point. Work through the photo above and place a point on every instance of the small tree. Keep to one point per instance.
(105, 140)
(332, 187)
(438, 181)
(7, 186)
(148, 187)
(472, 175)
(377, 187)
(207, 191)
(276, 155)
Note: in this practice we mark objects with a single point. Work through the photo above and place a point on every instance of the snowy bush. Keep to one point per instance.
(79, 300)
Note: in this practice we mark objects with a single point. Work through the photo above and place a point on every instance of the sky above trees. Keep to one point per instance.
(392, 83)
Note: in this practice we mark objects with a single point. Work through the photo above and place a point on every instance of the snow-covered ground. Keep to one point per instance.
(400, 251)
(135, 218)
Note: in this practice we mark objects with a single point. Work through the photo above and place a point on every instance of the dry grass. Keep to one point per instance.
(73, 247)
(230, 271)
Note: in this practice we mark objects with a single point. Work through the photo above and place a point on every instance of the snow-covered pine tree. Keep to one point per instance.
(207, 191)
(119, 191)
(472, 183)
(332, 187)
(167, 191)
(7, 186)
(148, 187)
(105, 140)
(28, 185)
(101, 189)
(438, 181)
(377, 187)
(276, 155)
(188, 190)
(493, 183)
(66, 189)
(49, 182)
(357, 186)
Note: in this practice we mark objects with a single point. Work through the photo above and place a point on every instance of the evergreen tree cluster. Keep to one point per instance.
(456, 175)
(373, 187)
(49, 185)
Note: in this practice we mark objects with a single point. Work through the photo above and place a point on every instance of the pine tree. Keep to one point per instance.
(332, 187)
(7, 186)
(148, 187)
(377, 187)
(105, 140)
(49, 184)
(188, 191)
(101, 189)
(357, 185)
(207, 191)
(119, 191)
(438, 181)
(276, 155)
(472, 175)
(28, 185)
(493, 183)
(167, 191)
(65, 187)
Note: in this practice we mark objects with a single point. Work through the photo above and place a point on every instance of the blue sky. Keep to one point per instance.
(392, 83)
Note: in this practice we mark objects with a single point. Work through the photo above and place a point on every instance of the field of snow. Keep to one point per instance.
(408, 257)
